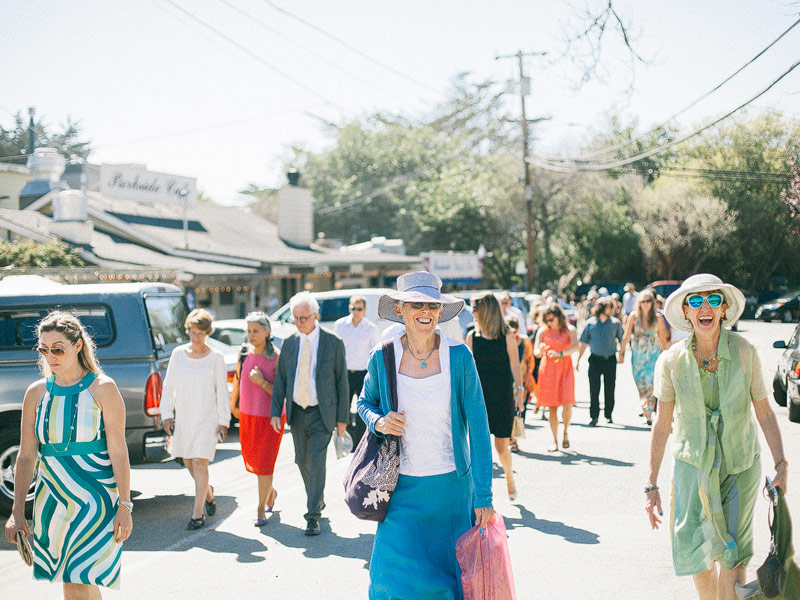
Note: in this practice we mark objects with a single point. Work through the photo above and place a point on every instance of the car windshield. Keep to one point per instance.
(167, 315)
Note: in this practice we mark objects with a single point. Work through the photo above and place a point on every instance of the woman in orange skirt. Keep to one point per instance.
(251, 400)
(555, 342)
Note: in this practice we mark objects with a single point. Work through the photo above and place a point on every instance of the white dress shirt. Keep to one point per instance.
(513, 311)
(359, 340)
(313, 339)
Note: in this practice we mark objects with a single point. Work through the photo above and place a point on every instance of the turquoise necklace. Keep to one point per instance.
(423, 362)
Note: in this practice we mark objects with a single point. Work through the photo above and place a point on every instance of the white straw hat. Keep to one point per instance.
(703, 282)
(419, 286)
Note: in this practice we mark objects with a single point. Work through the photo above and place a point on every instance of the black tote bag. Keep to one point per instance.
(372, 475)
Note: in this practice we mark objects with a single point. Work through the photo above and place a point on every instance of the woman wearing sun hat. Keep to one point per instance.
(708, 382)
(445, 453)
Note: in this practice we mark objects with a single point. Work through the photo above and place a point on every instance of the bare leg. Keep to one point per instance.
(504, 453)
(80, 591)
(726, 589)
(264, 493)
(553, 418)
(198, 467)
(566, 416)
(706, 584)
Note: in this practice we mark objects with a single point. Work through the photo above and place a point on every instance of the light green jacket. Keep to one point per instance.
(677, 379)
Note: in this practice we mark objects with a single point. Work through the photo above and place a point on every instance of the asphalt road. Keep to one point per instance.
(578, 529)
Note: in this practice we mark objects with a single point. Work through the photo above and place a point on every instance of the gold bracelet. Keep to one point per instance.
(784, 461)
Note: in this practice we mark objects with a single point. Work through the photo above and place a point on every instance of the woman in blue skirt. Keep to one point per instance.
(445, 453)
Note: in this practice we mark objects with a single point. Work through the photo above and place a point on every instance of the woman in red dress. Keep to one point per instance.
(554, 343)
(251, 400)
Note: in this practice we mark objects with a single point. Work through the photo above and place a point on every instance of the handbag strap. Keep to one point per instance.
(391, 373)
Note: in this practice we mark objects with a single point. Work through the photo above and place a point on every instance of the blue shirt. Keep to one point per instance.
(602, 336)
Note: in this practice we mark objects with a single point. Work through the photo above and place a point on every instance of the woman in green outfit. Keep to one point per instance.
(708, 383)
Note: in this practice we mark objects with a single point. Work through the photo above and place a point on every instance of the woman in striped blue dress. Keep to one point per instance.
(82, 507)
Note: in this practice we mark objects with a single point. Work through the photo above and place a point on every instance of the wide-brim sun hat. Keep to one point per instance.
(703, 282)
(419, 286)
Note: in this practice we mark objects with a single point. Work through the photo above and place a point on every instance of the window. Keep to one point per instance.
(18, 325)
(332, 309)
(167, 315)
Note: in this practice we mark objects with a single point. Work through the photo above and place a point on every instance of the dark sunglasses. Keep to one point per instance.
(696, 300)
(54, 351)
(357, 308)
(421, 305)
(646, 300)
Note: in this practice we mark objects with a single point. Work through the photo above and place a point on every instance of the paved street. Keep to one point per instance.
(578, 529)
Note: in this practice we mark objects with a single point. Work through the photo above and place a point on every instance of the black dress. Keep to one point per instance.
(494, 370)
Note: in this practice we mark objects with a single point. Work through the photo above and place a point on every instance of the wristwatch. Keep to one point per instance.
(127, 504)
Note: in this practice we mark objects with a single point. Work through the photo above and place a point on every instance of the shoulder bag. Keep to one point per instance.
(372, 475)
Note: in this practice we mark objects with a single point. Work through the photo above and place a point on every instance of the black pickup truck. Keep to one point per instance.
(135, 327)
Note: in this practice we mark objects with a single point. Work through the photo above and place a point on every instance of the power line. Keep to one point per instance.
(543, 163)
(353, 49)
(667, 121)
(256, 57)
(314, 53)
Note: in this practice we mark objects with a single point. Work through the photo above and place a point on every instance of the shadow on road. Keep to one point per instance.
(568, 457)
(327, 544)
(573, 535)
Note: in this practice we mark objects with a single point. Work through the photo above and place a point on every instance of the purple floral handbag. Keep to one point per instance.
(373, 472)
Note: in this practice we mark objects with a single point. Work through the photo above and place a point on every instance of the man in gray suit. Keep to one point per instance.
(311, 379)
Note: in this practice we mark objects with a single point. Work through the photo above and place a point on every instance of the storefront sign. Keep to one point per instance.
(136, 183)
(454, 267)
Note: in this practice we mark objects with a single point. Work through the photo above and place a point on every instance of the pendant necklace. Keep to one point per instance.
(423, 362)
(707, 362)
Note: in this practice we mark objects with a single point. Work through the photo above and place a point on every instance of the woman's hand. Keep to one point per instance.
(653, 506)
(391, 424)
(123, 524)
(256, 377)
(235, 409)
(223, 431)
(520, 400)
(16, 523)
(482, 516)
(168, 426)
(781, 476)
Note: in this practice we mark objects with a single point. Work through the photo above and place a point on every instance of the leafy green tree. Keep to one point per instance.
(67, 140)
(27, 253)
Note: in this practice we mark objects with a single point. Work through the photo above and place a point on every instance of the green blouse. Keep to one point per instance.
(739, 382)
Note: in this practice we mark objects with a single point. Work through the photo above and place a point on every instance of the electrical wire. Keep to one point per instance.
(576, 167)
(353, 49)
(652, 130)
(312, 52)
(256, 57)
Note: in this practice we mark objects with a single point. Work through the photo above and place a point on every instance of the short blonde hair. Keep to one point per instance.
(201, 319)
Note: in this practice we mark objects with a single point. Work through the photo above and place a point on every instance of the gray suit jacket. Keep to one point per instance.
(333, 392)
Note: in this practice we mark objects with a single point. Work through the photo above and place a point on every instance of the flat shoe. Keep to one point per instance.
(211, 505)
(274, 497)
(196, 523)
(259, 522)
(565, 444)
(553, 448)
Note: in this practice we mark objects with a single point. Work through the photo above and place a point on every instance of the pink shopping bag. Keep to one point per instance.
(485, 562)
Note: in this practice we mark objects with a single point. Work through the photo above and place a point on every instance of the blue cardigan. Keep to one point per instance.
(468, 414)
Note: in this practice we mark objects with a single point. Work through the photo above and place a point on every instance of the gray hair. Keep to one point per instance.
(258, 317)
(304, 299)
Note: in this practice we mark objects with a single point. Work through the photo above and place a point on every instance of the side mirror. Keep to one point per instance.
(779, 344)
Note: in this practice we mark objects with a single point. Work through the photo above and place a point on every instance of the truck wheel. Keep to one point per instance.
(787, 316)
(794, 412)
(779, 393)
(9, 446)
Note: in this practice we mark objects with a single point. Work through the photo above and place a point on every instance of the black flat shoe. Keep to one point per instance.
(312, 527)
(211, 505)
(196, 523)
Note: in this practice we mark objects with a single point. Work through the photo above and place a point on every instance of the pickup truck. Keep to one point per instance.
(135, 326)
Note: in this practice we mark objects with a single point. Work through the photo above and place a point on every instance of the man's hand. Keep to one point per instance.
(276, 424)
(341, 428)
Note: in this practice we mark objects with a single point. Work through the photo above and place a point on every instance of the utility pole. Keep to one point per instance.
(530, 213)
(31, 131)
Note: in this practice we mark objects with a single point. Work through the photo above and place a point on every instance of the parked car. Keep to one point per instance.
(786, 382)
(233, 332)
(784, 308)
(135, 327)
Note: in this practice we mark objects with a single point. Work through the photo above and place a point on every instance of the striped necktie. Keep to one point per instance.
(304, 376)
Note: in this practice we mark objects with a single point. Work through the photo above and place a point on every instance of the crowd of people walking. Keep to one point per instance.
(450, 396)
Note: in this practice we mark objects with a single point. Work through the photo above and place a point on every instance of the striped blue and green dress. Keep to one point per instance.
(76, 493)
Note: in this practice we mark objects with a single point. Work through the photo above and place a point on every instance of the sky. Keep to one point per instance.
(151, 83)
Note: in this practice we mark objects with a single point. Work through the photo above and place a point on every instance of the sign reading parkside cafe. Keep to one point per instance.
(137, 183)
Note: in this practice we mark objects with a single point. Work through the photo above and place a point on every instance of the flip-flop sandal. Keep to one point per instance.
(565, 444)
(259, 522)
(553, 448)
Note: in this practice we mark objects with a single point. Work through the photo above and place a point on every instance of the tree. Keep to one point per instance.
(27, 253)
(791, 196)
(14, 142)
(680, 228)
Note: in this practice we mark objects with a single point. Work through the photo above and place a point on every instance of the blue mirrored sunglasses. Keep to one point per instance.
(696, 300)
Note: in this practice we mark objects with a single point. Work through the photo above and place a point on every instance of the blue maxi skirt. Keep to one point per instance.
(414, 554)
